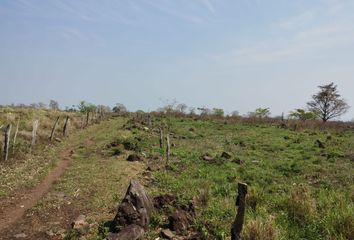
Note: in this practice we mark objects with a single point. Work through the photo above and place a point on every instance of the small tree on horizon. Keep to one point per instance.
(260, 113)
(302, 114)
(54, 105)
(327, 103)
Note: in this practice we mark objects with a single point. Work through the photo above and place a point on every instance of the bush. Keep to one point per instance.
(301, 207)
(258, 230)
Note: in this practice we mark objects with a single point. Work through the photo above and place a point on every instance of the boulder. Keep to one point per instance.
(180, 221)
(135, 209)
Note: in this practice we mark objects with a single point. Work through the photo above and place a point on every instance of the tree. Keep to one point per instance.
(260, 113)
(302, 114)
(218, 112)
(86, 107)
(181, 108)
(119, 108)
(54, 105)
(327, 103)
(235, 113)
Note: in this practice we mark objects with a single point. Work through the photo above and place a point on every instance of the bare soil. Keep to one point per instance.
(14, 207)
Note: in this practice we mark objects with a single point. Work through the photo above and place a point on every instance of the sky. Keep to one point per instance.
(230, 54)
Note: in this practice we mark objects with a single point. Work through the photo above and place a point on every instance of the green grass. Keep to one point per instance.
(95, 182)
(277, 162)
(297, 190)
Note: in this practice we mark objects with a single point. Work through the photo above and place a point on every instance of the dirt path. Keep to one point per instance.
(14, 207)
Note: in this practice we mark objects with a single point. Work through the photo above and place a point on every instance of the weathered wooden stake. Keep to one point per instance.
(161, 138)
(87, 119)
(53, 129)
(15, 137)
(82, 122)
(65, 128)
(34, 134)
(237, 225)
(168, 149)
(7, 133)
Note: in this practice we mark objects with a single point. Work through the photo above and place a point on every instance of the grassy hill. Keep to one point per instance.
(300, 179)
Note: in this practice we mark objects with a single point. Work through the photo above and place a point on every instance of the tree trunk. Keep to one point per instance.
(237, 225)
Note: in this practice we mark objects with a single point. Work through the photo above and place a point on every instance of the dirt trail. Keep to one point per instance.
(13, 208)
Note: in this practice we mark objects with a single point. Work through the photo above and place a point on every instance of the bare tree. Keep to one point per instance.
(327, 103)
(54, 105)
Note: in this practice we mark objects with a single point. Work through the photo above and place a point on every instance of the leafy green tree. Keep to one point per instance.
(86, 107)
(302, 114)
(119, 108)
(218, 112)
(260, 113)
(327, 103)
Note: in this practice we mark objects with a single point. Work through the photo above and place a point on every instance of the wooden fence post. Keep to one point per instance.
(53, 129)
(237, 225)
(34, 134)
(66, 126)
(87, 118)
(15, 136)
(168, 149)
(161, 138)
(149, 121)
(7, 133)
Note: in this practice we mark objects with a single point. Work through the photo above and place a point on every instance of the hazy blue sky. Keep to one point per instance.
(232, 54)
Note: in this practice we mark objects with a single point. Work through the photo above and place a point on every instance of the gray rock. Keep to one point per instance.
(135, 209)
(131, 232)
(167, 233)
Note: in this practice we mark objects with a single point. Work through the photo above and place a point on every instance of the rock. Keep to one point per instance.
(134, 158)
(50, 233)
(237, 161)
(208, 158)
(131, 232)
(57, 139)
(20, 235)
(135, 208)
(226, 155)
(231, 178)
(129, 146)
(320, 144)
(180, 221)
(164, 200)
(167, 233)
(80, 224)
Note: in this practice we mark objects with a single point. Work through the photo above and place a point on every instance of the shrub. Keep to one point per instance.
(301, 207)
(258, 230)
